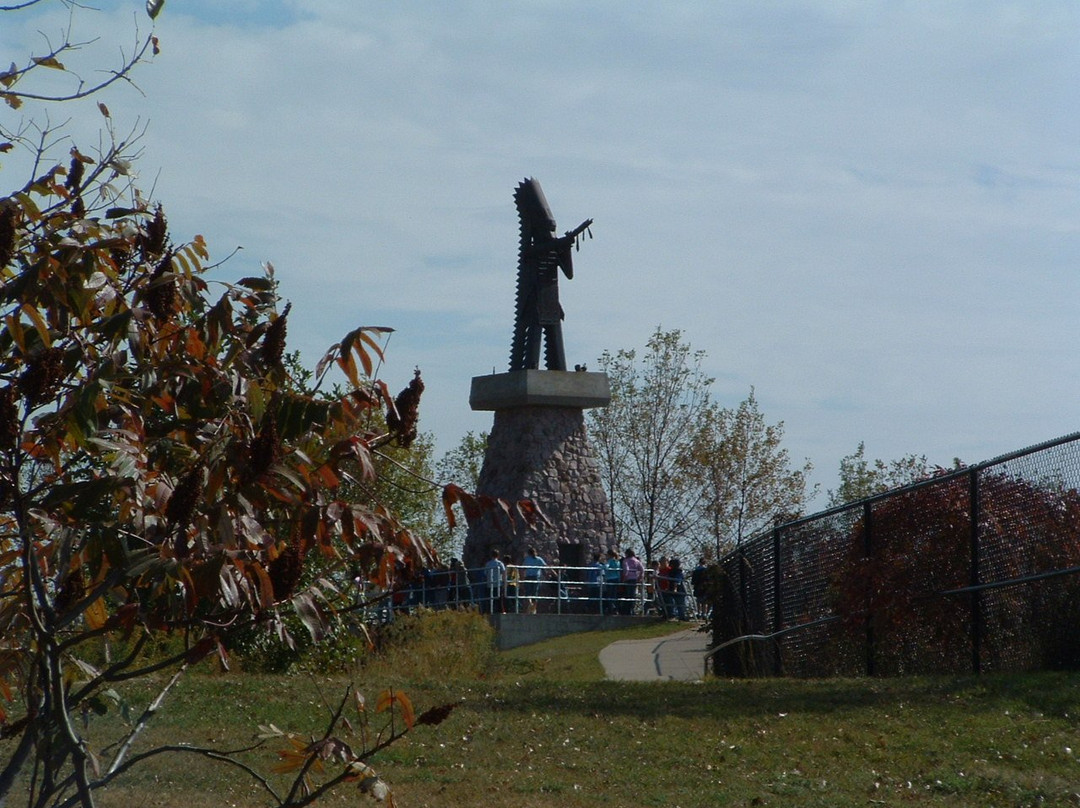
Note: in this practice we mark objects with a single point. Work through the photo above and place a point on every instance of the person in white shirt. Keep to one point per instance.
(495, 578)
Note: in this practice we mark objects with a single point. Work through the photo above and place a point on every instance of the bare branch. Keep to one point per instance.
(213, 754)
(144, 719)
(21, 6)
(84, 89)
(331, 726)
(432, 484)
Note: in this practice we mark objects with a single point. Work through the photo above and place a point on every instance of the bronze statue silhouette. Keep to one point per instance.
(538, 314)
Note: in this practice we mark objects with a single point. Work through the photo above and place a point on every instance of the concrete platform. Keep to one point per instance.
(676, 657)
(540, 388)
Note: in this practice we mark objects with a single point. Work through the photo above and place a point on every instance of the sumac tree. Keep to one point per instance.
(162, 474)
(165, 474)
(159, 471)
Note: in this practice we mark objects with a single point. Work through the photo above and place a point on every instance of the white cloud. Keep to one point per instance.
(867, 210)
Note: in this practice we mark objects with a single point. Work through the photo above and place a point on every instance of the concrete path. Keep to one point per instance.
(676, 657)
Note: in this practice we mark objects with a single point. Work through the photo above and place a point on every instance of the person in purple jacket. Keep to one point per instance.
(633, 573)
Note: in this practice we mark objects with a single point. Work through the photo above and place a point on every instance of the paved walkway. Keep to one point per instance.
(676, 657)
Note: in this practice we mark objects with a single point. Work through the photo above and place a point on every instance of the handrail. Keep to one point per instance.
(566, 586)
(746, 637)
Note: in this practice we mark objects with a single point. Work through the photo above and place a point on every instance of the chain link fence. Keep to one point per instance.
(974, 570)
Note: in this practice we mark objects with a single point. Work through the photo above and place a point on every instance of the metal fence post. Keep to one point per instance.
(976, 598)
(868, 548)
(744, 594)
(778, 611)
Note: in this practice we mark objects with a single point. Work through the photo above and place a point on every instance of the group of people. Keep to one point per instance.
(506, 581)
(609, 584)
(617, 581)
(613, 584)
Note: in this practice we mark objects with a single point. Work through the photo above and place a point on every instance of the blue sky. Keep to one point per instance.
(867, 211)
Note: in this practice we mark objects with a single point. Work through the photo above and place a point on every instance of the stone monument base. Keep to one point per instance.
(538, 450)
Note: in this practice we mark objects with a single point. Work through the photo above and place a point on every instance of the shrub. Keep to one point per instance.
(919, 546)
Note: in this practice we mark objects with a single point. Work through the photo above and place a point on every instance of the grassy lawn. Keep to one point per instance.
(538, 726)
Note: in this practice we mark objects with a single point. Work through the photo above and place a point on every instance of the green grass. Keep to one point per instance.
(995, 741)
(538, 726)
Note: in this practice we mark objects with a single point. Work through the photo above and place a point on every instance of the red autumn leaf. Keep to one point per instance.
(530, 513)
(388, 698)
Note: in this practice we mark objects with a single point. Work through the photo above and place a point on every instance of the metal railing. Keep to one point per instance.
(554, 590)
(971, 570)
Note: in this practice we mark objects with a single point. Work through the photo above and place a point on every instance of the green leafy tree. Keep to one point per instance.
(404, 483)
(861, 478)
(745, 476)
(643, 440)
(462, 464)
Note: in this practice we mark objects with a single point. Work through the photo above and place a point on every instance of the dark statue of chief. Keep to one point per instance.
(538, 315)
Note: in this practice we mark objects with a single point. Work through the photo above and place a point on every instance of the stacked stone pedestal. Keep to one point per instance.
(538, 450)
